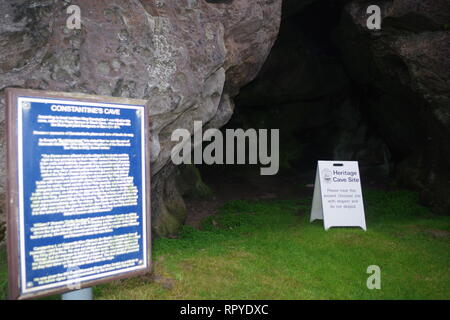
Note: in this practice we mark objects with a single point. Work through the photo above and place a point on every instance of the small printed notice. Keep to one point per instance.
(81, 212)
(337, 196)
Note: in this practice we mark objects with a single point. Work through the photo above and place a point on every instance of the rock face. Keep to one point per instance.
(405, 71)
(188, 58)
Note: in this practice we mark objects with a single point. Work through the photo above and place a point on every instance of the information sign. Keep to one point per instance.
(337, 195)
(77, 190)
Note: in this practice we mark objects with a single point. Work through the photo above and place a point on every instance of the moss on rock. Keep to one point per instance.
(191, 184)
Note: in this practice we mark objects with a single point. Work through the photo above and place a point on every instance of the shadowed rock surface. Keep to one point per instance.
(408, 88)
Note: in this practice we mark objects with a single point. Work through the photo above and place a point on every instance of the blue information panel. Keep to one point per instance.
(82, 192)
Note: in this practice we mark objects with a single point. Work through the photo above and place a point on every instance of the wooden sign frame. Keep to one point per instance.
(13, 183)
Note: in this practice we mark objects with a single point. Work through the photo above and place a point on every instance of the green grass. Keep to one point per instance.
(269, 250)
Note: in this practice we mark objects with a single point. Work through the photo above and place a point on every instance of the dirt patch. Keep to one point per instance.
(198, 210)
(166, 283)
(438, 233)
(233, 185)
(349, 239)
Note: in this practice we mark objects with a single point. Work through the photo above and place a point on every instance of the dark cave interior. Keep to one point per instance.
(305, 91)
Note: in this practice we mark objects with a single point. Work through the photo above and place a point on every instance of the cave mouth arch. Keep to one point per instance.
(305, 91)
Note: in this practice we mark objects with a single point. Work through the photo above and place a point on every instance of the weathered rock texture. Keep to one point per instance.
(404, 69)
(188, 58)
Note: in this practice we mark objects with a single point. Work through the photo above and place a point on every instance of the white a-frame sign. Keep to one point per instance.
(337, 196)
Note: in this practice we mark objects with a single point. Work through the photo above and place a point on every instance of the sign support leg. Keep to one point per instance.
(82, 294)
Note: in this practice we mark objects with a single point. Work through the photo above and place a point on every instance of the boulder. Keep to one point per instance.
(188, 58)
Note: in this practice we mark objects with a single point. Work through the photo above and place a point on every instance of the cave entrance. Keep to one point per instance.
(304, 91)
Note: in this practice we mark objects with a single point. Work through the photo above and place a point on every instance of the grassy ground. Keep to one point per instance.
(269, 250)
